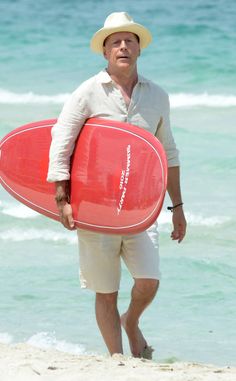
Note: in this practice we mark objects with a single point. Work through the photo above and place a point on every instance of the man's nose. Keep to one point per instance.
(123, 44)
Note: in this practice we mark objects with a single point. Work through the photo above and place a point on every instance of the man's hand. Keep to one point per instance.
(179, 224)
(66, 217)
(63, 203)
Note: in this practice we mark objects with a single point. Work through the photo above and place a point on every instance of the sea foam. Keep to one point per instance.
(186, 100)
(46, 340)
(17, 210)
(18, 234)
(195, 219)
(9, 97)
(5, 338)
(178, 100)
(32, 234)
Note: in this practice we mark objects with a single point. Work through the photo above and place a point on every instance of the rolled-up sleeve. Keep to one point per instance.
(64, 135)
(164, 134)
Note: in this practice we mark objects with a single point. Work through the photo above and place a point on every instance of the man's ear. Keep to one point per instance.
(104, 53)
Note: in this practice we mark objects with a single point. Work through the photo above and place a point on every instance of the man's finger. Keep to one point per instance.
(71, 222)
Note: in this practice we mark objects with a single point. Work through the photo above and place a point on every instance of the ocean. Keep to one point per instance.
(45, 55)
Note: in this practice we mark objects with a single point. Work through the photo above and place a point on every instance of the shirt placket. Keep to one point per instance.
(127, 110)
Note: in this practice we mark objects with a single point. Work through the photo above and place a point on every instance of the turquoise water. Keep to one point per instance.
(45, 54)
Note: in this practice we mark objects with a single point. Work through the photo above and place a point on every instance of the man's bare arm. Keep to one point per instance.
(174, 190)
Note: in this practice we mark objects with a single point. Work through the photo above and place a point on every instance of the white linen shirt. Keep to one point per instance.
(100, 97)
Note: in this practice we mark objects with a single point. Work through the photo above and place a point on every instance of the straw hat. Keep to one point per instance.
(119, 22)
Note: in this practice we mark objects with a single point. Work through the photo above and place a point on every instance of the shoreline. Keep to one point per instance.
(22, 362)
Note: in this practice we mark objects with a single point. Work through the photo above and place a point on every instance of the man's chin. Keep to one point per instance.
(123, 63)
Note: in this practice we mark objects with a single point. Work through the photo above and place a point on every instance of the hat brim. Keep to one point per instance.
(99, 37)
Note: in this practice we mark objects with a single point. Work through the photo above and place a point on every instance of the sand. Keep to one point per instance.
(22, 362)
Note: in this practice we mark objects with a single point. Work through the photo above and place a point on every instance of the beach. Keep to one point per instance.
(23, 362)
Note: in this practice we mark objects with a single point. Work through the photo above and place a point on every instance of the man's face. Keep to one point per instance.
(122, 49)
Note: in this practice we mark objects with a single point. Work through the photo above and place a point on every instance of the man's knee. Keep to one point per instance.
(109, 299)
(147, 287)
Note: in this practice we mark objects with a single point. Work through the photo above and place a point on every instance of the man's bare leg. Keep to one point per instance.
(143, 292)
(108, 320)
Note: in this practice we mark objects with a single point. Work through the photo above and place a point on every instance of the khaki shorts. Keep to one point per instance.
(100, 259)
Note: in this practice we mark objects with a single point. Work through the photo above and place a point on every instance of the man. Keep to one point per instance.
(117, 93)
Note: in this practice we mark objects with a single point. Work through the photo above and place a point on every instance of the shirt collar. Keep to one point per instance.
(104, 77)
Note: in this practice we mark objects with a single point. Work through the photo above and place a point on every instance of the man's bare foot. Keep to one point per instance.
(137, 342)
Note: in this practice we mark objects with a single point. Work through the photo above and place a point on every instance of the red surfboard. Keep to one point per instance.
(118, 174)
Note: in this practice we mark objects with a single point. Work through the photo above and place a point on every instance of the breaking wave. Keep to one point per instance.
(178, 100)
